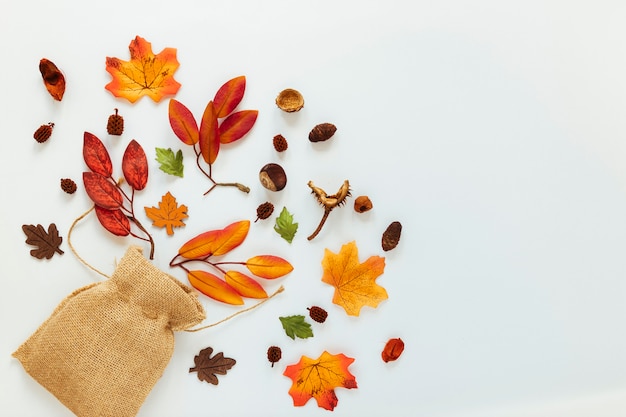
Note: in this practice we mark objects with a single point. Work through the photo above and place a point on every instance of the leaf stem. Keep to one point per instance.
(319, 227)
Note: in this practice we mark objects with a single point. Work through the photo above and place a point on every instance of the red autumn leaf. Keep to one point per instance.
(114, 221)
(101, 191)
(135, 165)
(209, 134)
(216, 242)
(229, 96)
(183, 123)
(244, 285)
(318, 378)
(212, 286)
(53, 78)
(96, 155)
(145, 73)
(393, 349)
(268, 266)
(236, 125)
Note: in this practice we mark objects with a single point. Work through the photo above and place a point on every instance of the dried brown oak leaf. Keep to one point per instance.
(47, 242)
(207, 367)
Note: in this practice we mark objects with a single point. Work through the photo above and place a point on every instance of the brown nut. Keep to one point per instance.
(322, 132)
(391, 236)
(290, 100)
(362, 204)
(273, 177)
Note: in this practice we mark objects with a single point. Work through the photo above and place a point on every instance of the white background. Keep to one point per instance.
(493, 130)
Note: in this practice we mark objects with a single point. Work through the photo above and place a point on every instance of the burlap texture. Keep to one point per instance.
(106, 345)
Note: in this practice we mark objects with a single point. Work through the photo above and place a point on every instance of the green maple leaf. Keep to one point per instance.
(285, 226)
(171, 163)
(295, 326)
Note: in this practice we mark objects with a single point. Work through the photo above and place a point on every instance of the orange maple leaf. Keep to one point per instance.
(317, 378)
(145, 74)
(354, 282)
(168, 215)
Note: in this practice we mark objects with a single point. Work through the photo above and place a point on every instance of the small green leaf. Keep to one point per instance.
(295, 326)
(170, 163)
(285, 226)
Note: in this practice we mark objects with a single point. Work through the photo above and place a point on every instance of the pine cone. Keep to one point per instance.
(391, 236)
(264, 211)
(68, 185)
(280, 143)
(43, 133)
(274, 354)
(115, 125)
(318, 314)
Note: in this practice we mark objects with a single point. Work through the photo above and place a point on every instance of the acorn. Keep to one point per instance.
(264, 211)
(362, 204)
(290, 100)
(274, 354)
(273, 177)
(322, 132)
(68, 185)
(115, 124)
(318, 314)
(391, 236)
(43, 133)
(280, 143)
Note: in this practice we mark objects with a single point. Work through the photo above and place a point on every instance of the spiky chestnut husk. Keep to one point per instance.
(264, 211)
(318, 314)
(43, 132)
(274, 354)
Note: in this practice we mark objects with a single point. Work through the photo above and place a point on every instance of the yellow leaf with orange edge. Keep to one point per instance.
(244, 285)
(216, 242)
(146, 74)
(268, 266)
(212, 286)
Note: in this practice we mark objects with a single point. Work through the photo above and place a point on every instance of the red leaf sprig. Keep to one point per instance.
(220, 124)
(205, 247)
(114, 206)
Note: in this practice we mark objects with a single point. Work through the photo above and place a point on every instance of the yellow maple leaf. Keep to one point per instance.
(146, 74)
(169, 214)
(354, 282)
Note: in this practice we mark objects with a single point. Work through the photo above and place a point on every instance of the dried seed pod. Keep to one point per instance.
(280, 143)
(68, 185)
(322, 132)
(393, 349)
(391, 236)
(362, 204)
(274, 354)
(115, 124)
(43, 132)
(318, 314)
(53, 79)
(273, 177)
(290, 100)
(264, 211)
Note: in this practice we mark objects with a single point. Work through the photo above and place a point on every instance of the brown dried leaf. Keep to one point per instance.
(207, 367)
(47, 242)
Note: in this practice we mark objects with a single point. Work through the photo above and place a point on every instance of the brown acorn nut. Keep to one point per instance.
(290, 100)
(273, 177)
(322, 132)
(362, 204)
(391, 236)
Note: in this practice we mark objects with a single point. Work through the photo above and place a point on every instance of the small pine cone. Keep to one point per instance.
(264, 211)
(43, 133)
(115, 125)
(318, 314)
(274, 354)
(68, 185)
(280, 143)
(391, 236)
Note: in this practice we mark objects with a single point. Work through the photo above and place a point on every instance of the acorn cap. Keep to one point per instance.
(290, 100)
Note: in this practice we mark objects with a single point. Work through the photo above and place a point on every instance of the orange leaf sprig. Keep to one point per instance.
(220, 124)
(235, 284)
(114, 206)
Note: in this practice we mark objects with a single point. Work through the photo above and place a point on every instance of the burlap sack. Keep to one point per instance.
(106, 345)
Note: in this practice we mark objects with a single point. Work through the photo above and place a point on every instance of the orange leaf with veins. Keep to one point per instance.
(216, 242)
(354, 282)
(318, 378)
(169, 214)
(146, 74)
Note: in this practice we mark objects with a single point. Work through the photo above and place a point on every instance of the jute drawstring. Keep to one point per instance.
(88, 265)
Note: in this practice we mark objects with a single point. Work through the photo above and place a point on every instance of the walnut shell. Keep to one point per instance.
(362, 204)
(290, 100)
(322, 132)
